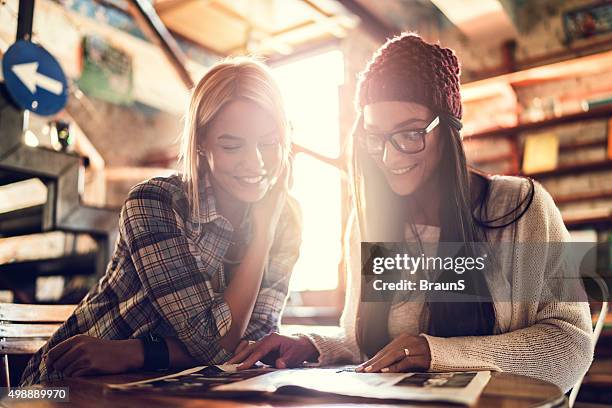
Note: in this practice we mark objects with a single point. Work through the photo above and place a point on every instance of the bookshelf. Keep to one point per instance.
(506, 99)
(596, 113)
(512, 154)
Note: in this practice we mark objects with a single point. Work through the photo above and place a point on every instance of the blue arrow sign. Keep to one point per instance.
(34, 79)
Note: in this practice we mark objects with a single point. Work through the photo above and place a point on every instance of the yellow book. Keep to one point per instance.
(541, 153)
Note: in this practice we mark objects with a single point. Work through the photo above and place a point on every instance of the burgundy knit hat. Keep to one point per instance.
(406, 68)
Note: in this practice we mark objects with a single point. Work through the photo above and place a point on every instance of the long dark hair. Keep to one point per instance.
(382, 216)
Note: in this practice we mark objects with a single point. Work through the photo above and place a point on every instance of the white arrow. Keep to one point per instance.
(29, 76)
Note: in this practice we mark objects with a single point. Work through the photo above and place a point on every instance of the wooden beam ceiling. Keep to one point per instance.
(268, 28)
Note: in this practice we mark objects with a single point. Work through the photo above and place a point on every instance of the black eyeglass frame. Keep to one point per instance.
(389, 137)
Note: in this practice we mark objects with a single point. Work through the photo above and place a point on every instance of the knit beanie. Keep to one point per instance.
(406, 68)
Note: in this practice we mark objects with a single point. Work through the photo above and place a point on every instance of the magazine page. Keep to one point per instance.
(192, 380)
(457, 387)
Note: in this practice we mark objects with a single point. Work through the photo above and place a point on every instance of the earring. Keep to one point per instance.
(200, 151)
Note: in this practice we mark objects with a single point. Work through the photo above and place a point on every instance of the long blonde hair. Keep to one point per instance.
(237, 78)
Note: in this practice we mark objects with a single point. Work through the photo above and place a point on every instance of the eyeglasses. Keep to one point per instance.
(407, 141)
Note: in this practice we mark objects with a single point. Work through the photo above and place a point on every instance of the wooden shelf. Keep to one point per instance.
(587, 65)
(582, 144)
(595, 222)
(491, 159)
(597, 113)
(476, 159)
(573, 169)
(586, 196)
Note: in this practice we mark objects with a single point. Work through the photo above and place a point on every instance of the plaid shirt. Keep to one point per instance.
(166, 277)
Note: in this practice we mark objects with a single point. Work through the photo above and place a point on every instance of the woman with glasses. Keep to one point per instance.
(411, 184)
(203, 259)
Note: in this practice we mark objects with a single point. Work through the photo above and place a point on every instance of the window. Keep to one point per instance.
(310, 89)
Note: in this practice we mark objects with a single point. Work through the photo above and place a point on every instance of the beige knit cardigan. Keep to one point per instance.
(546, 340)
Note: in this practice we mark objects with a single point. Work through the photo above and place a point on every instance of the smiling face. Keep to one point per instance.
(405, 173)
(242, 146)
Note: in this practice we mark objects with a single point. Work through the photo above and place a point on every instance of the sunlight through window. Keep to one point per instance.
(310, 89)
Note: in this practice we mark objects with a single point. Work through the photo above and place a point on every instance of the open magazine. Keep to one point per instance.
(456, 387)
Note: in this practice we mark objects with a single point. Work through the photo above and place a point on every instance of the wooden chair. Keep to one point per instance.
(599, 322)
(25, 328)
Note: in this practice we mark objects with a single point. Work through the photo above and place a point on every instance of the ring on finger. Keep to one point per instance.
(406, 352)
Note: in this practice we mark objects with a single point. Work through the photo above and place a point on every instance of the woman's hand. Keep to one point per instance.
(404, 353)
(85, 355)
(276, 350)
(266, 212)
(243, 345)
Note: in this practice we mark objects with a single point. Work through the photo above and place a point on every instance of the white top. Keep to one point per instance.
(547, 340)
(404, 316)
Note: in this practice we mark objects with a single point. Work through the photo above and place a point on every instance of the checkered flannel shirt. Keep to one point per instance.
(167, 277)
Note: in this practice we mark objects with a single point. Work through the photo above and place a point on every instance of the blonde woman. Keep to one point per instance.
(203, 259)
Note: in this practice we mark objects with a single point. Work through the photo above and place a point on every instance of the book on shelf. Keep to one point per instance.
(541, 153)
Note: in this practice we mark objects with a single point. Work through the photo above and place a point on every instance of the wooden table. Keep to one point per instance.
(503, 390)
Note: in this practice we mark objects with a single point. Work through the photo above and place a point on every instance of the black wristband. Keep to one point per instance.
(156, 356)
